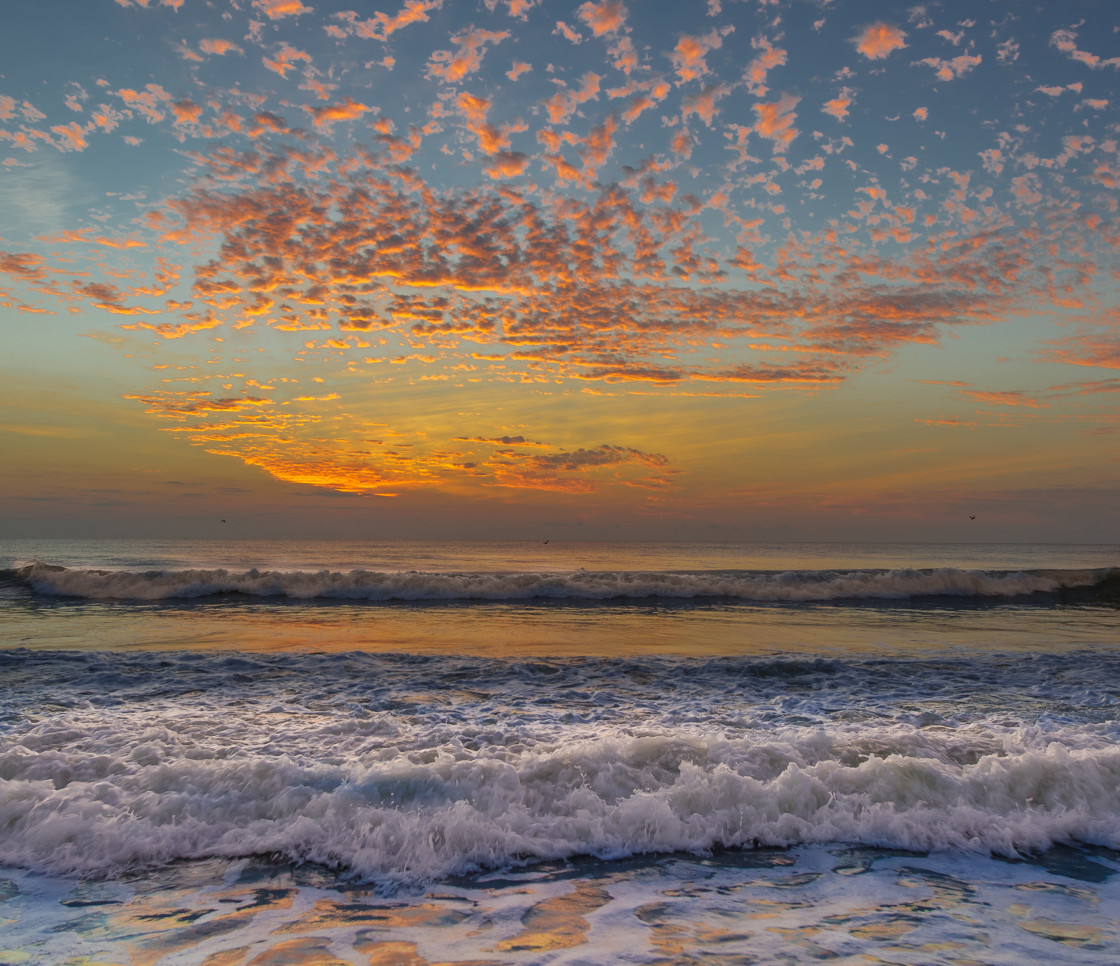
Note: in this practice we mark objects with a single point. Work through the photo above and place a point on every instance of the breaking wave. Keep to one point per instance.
(580, 585)
(403, 770)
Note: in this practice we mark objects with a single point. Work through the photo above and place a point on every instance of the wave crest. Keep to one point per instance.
(408, 822)
(385, 586)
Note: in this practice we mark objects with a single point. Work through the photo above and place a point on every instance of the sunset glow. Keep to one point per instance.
(724, 269)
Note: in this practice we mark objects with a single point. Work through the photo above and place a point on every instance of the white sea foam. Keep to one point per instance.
(402, 769)
(417, 816)
(364, 585)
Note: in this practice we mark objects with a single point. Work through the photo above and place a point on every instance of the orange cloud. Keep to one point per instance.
(491, 140)
(608, 16)
(109, 298)
(1090, 349)
(880, 40)
(628, 281)
(278, 9)
(572, 36)
(624, 54)
(182, 404)
(518, 9)
(757, 69)
(689, 56)
(147, 101)
(578, 471)
(949, 69)
(286, 59)
(602, 455)
(503, 440)
(25, 265)
(380, 26)
(1066, 42)
(71, 136)
(775, 122)
(507, 164)
(347, 110)
(186, 111)
(703, 104)
(452, 67)
(218, 46)
(1007, 398)
(564, 103)
(641, 97)
(838, 106)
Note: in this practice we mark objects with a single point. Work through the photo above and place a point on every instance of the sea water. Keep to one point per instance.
(264, 752)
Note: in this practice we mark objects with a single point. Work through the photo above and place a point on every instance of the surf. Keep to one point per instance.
(792, 586)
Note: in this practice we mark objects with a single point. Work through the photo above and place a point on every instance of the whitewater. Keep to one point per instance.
(787, 586)
(901, 753)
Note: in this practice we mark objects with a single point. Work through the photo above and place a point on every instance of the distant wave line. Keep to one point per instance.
(387, 586)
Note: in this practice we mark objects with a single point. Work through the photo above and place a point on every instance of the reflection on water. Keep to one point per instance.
(843, 905)
(551, 630)
(700, 626)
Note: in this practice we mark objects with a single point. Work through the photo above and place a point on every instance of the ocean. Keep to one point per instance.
(241, 753)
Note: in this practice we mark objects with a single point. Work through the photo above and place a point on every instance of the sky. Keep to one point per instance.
(524, 269)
